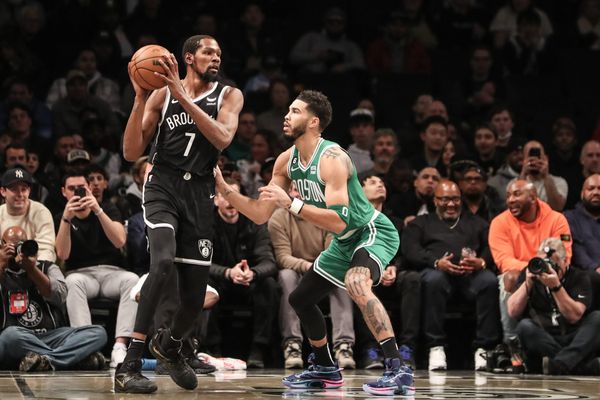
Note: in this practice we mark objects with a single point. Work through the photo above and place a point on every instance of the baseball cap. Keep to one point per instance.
(361, 115)
(16, 175)
(77, 155)
(516, 143)
(75, 74)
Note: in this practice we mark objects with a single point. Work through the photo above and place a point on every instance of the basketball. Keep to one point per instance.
(145, 63)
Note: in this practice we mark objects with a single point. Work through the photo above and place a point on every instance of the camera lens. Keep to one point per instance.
(537, 265)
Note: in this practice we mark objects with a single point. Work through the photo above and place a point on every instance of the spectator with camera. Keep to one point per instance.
(19, 210)
(514, 238)
(450, 249)
(296, 244)
(550, 188)
(89, 238)
(34, 333)
(552, 298)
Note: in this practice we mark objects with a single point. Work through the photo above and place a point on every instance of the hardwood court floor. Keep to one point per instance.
(265, 384)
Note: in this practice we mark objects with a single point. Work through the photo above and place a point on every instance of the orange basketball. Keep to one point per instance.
(145, 63)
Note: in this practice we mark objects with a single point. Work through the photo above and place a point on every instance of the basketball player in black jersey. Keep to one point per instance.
(189, 122)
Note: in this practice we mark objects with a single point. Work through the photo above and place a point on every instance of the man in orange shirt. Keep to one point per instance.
(515, 236)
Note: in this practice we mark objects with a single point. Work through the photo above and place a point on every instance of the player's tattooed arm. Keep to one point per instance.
(337, 153)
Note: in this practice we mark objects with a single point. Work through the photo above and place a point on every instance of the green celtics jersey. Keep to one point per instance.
(312, 188)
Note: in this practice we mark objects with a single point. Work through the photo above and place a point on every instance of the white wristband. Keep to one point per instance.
(99, 212)
(296, 206)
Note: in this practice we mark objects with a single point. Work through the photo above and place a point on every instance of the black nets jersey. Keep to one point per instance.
(179, 144)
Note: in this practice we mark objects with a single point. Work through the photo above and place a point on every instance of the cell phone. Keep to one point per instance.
(535, 152)
(80, 191)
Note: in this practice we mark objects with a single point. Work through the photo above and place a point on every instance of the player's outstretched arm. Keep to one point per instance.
(143, 120)
(335, 168)
(259, 211)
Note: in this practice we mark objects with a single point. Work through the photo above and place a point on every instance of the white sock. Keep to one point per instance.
(119, 345)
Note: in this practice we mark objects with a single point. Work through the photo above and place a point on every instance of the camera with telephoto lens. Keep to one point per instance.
(537, 265)
(27, 248)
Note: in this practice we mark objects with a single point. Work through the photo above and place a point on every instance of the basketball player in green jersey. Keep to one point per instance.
(364, 241)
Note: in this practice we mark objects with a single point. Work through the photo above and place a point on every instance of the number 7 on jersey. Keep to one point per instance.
(192, 136)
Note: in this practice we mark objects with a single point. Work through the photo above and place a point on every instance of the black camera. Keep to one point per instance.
(27, 248)
(498, 359)
(537, 265)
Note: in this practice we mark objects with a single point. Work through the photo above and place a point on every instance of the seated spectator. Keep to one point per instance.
(98, 85)
(43, 342)
(583, 221)
(19, 128)
(487, 153)
(504, 24)
(564, 157)
(502, 120)
(408, 132)
(418, 201)
(434, 135)
(384, 150)
(514, 238)
(510, 169)
(558, 335)
(239, 148)
(396, 51)
(477, 197)
(131, 203)
(420, 26)
(550, 188)
(362, 129)
(328, 50)
(528, 53)
(100, 147)
(399, 284)
(264, 146)
(589, 164)
(461, 23)
(296, 244)
(272, 119)
(243, 266)
(15, 155)
(98, 181)
(588, 25)
(448, 155)
(21, 91)
(68, 110)
(89, 238)
(451, 251)
(19, 210)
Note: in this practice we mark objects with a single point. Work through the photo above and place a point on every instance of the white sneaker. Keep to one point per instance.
(480, 360)
(437, 359)
(117, 355)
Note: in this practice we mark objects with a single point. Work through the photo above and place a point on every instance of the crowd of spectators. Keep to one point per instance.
(472, 124)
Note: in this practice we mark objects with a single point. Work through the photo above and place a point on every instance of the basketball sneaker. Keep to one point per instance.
(398, 379)
(129, 379)
(174, 362)
(315, 377)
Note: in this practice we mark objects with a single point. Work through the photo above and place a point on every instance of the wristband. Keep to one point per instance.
(68, 221)
(99, 213)
(296, 206)
(557, 288)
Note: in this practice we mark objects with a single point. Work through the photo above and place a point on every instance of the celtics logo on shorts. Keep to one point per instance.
(205, 248)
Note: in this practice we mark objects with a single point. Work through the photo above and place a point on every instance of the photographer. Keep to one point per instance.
(553, 298)
(33, 331)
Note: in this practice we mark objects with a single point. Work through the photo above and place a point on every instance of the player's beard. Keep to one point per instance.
(209, 76)
(295, 132)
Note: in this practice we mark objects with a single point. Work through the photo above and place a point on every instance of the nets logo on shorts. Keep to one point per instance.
(205, 248)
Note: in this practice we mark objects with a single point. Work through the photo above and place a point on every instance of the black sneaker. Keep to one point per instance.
(199, 366)
(179, 371)
(34, 362)
(255, 359)
(129, 379)
(93, 362)
(551, 366)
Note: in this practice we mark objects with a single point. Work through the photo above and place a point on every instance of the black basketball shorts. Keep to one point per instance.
(182, 202)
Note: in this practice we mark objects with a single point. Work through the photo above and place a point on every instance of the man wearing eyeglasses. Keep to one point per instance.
(450, 249)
